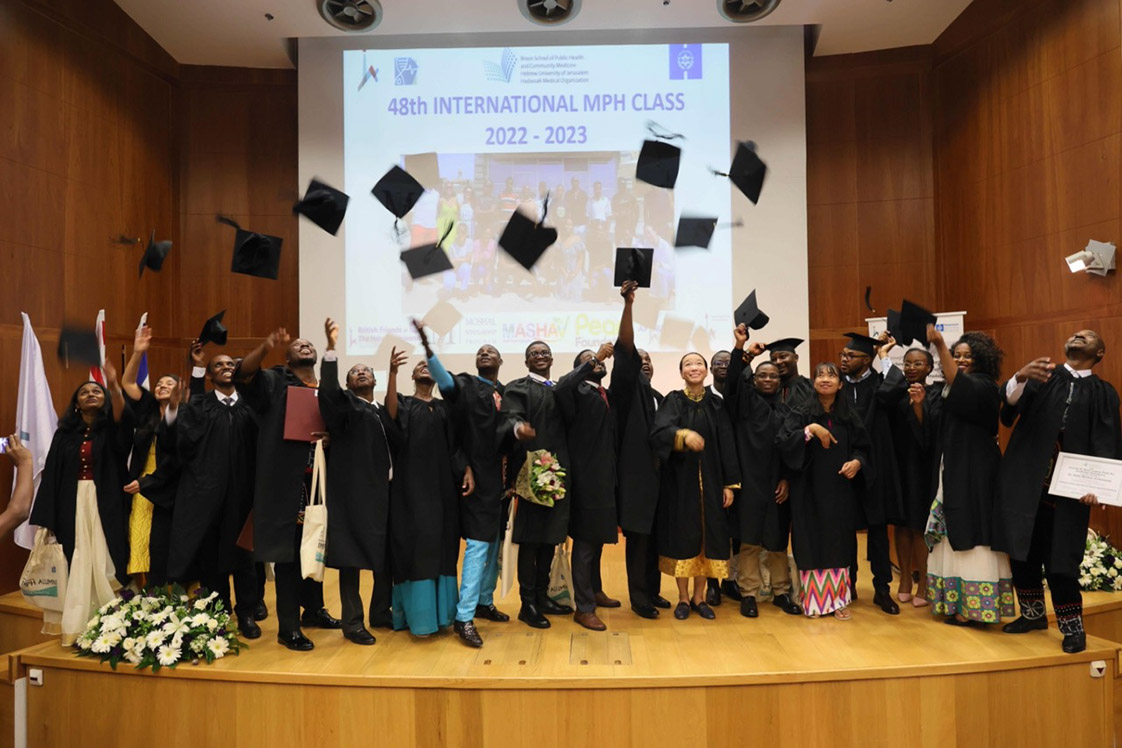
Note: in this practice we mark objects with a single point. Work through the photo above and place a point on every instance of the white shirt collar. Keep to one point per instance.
(537, 377)
(714, 391)
(1077, 373)
(868, 373)
(222, 398)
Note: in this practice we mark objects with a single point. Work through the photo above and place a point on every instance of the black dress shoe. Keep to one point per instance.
(1024, 625)
(550, 608)
(532, 617)
(704, 610)
(713, 595)
(320, 619)
(491, 613)
(248, 627)
(1075, 642)
(645, 611)
(467, 633)
(261, 611)
(360, 636)
(660, 602)
(682, 611)
(730, 590)
(787, 605)
(382, 622)
(884, 601)
(748, 607)
(295, 640)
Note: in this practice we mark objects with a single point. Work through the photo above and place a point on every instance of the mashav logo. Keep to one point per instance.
(404, 71)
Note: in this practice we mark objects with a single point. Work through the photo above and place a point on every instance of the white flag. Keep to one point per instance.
(97, 373)
(36, 419)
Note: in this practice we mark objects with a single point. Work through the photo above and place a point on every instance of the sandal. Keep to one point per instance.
(843, 614)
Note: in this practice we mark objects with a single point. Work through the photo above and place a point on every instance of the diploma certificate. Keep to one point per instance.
(1077, 475)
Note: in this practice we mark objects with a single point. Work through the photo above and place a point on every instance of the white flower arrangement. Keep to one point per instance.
(161, 629)
(1101, 568)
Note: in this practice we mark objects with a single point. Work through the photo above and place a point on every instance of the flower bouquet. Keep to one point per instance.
(1101, 568)
(160, 628)
(541, 480)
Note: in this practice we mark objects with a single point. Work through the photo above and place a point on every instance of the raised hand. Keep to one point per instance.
(196, 355)
(740, 333)
(332, 331)
(110, 375)
(397, 360)
(627, 291)
(419, 326)
(605, 352)
(887, 344)
(142, 340)
(935, 337)
(277, 337)
(1039, 369)
(17, 452)
(756, 349)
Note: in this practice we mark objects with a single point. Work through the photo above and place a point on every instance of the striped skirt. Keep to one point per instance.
(824, 590)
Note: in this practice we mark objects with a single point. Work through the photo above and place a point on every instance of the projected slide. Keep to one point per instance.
(509, 127)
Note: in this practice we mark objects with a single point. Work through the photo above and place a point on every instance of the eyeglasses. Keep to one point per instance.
(848, 355)
(539, 354)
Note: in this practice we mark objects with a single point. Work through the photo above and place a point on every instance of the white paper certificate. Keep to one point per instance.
(1077, 475)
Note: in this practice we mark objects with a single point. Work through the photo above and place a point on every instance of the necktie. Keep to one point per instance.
(604, 396)
(549, 383)
(498, 399)
(227, 401)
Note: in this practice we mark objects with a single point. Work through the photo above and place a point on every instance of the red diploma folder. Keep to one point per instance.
(301, 415)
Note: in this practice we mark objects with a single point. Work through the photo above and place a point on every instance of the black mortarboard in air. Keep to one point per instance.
(862, 343)
(747, 171)
(77, 343)
(442, 318)
(254, 253)
(914, 320)
(398, 191)
(634, 263)
(694, 232)
(784, 344)
(213, 330)
(428, 259)
(658, 163)
(154, 255)
(525, 240)
(324, 206)
(892, 324)
(749, 314)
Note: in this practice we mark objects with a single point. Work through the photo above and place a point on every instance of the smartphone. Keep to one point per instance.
(3, 445)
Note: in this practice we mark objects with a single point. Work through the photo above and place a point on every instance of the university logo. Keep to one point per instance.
(404, 71)
(369, 72)
(685, 62)
(503, 69)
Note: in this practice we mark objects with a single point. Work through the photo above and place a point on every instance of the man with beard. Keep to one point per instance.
(1054, 408)
(281, 489)
(476, 402)
(793, 387)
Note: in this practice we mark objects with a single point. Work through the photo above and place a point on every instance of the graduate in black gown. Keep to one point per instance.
(719, 370)
(217, 445)
(476, 403)
(359, 470)
(1052, 409)
(282, 483)
(761, 514)
(431, 479)
(823, 441)
(878, 497)
(532, 421)
(692, 437)
(913, 411)
(793, 387)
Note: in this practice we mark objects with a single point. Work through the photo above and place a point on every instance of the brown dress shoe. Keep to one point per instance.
(603, 601)
(589, 621)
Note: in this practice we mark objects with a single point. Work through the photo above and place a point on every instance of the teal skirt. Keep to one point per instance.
(425, 606)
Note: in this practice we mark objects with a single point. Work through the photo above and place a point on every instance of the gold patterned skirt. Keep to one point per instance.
(698, 566)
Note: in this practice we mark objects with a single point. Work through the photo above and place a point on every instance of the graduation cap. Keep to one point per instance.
(747, 171)
(914, 320)
(443, 318)
(749, 314)
(784, 345)
(694, 232)
(398, 191)
(428, 259)
(324, 206)
(79, 344)
(676, 332)
(892, 324)
(862, 343)
(634, 263)
(525, 240)
(254, 253)
(213, 330)
(658, 160)
(154, 255)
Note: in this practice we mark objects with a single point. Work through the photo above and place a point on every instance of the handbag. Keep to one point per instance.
(313, 539)
(43, 581)
(508, 557)
(561, 578)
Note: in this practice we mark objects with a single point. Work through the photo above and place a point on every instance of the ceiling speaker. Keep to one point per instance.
(351, 15)
(549, 12)
(746, 11)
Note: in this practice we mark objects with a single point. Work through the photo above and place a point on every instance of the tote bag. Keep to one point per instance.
(508, 558)
(561, 578)
(313, 541)
(43, 581)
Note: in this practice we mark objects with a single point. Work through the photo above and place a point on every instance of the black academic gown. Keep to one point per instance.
(278, 488)
(795, 391)
(821, 499)
(917, 447)
(159, 486)
(358, 474)
(1092, 428)
(56, 501)
(636, 465)
(526, 399)
(691, 515)
(476, 409)
(217, 445)
(425, 492)
(879, 496)
(591, 432)
(971, 459)
(756, 420)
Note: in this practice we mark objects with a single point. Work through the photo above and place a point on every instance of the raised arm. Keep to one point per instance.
(946, 359)
(626, 337)
(116, 396)
(140, 345)
(445, 382)
(197, 387)
(19, 505)
(397, 359)
(251, 364)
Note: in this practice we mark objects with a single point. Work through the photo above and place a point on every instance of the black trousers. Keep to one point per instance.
(247, 591)
(643, 578)
(293, 591)
(534, 560)
(597, 582)
(351, 599)
(879, 560)
(586, 558)
(1028, 576)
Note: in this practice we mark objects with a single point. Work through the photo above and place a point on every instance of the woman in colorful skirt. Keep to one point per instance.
(826, 446)
(967, 581)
